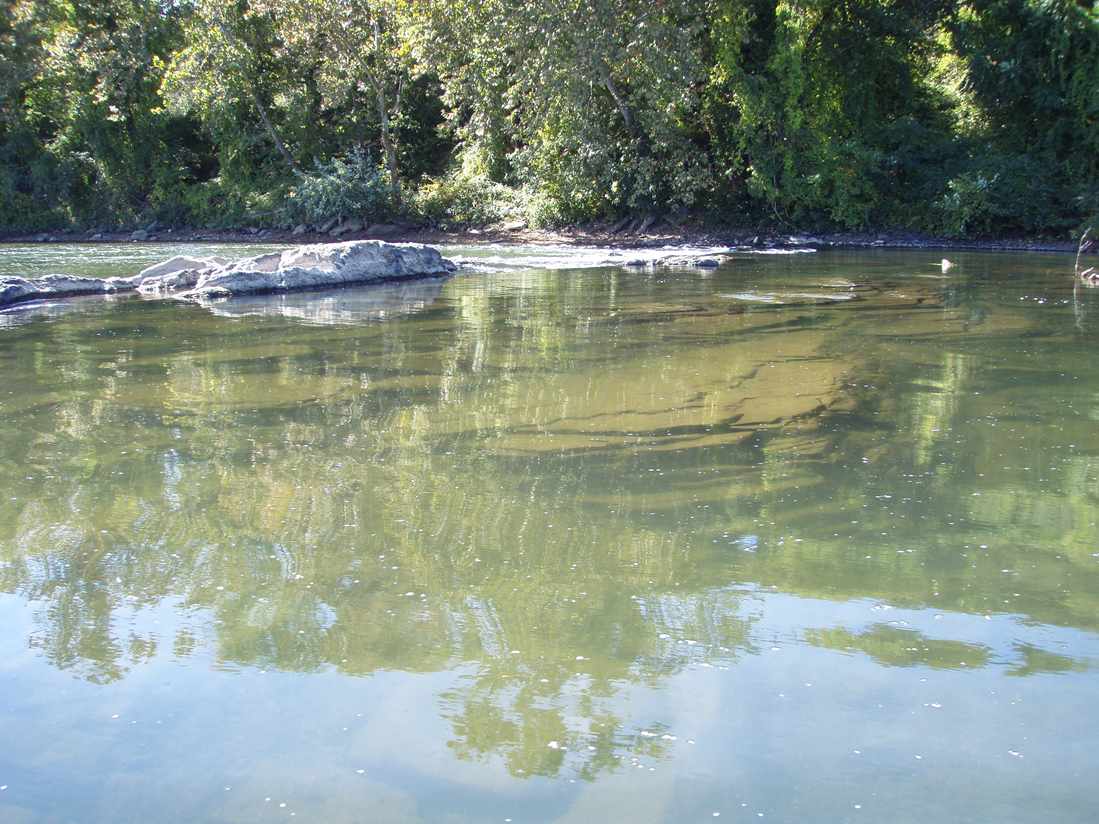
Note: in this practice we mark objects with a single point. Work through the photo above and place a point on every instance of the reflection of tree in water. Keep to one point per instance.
(542, 707)
(900, 647)
(556, 495)
(1035, 660)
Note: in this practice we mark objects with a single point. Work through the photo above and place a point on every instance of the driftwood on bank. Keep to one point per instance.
(1090, 275)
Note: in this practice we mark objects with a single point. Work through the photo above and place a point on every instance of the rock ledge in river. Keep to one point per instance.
(318, 266)
(303, 267)
(15, 289)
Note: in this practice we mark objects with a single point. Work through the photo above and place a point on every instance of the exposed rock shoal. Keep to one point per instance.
(303, 267)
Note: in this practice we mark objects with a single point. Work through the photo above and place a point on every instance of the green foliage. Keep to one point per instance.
(1001, 194)
(468, 196)
(592, 105)
(460, 199)
(812, 92)
(353, 186)
(964, 118)
(1087, 204)
(967, 205)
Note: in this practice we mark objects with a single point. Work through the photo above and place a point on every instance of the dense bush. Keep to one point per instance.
(460, 199)
(999, 194)
(340, 187)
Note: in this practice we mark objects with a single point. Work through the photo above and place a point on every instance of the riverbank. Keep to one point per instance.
(594, 235)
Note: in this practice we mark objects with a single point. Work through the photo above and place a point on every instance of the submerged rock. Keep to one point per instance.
(699, 261)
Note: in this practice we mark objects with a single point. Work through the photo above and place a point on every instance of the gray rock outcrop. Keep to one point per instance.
(352, 224)
(14, 289)
(382, 229)
(320, 265)
(179, 263)
(303, 267)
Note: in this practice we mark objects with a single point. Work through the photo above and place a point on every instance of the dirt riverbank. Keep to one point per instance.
(586, 236)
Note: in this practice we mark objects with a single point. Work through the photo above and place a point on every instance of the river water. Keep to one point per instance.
(806, 538)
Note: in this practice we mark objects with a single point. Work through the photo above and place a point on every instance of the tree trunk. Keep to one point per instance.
(620, 102)
(389, 147)
(270, 128)
(247, 70)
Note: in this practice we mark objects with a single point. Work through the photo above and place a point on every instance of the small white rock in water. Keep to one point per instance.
(946, 265)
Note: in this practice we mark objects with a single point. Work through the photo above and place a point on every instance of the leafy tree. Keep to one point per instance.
(83, 131)
(592, 102)
(359, 55)
(812, 95)
(227, 65)
(956, 116)
(1033, 70)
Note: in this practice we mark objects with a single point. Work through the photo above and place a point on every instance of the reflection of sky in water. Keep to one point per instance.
(593, 545)
(343, 306)
(23, 313)
(731, 730)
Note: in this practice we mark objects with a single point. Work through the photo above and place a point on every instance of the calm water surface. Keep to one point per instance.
(808, 538)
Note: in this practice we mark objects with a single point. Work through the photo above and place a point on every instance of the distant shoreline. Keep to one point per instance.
(595, 236)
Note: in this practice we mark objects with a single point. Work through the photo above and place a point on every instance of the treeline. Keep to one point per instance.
(961, 118)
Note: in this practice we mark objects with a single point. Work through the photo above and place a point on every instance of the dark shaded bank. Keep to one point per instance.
(580, 236)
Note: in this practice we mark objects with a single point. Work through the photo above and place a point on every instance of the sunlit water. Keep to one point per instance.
(808, 538)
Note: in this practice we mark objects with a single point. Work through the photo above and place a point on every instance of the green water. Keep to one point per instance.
(808, 538)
